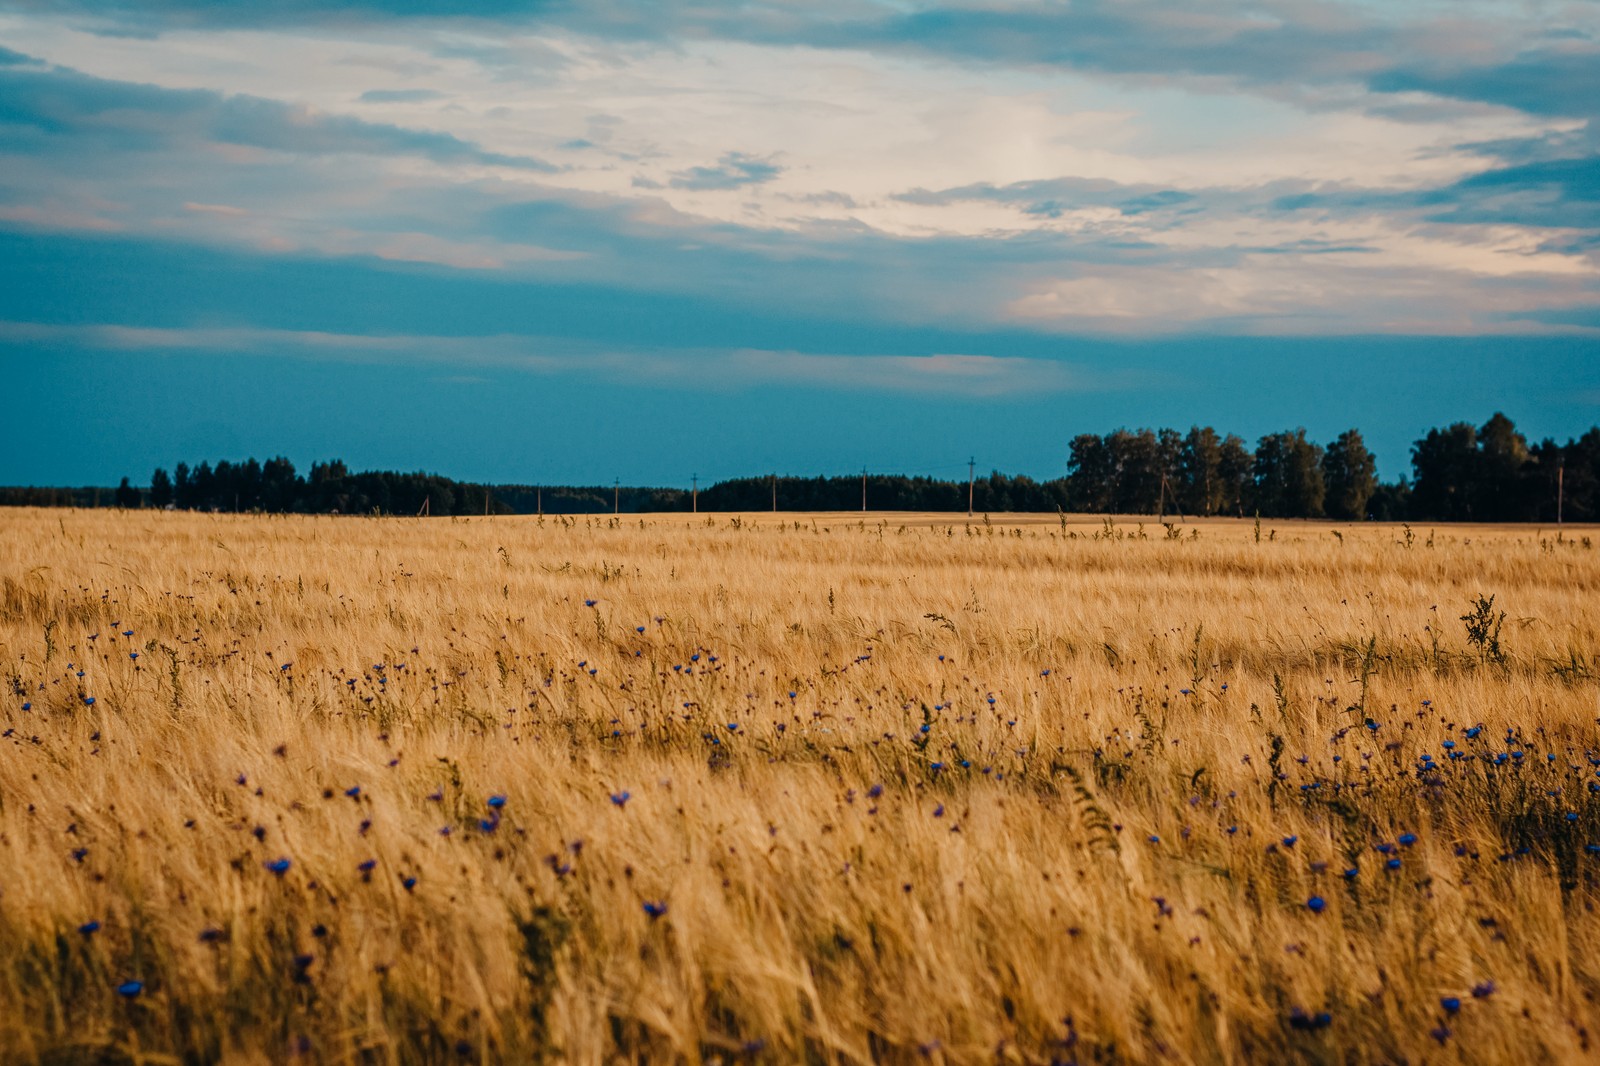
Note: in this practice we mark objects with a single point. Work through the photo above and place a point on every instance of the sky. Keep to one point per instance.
(551, 241)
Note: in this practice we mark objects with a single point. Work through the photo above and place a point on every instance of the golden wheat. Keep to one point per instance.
(834, 788)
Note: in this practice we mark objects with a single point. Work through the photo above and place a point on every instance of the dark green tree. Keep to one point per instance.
(1234, 471)
(1446, 466)
(160, 488)
(1351, 475)
(127, 495)
(1288, 476)
(1200, 487)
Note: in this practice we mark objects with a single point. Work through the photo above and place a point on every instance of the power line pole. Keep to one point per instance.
(694, 493)
(539, 500)
(774, 493)
(972, 477)
(863, 489)
(616, 496)
(1561, 487)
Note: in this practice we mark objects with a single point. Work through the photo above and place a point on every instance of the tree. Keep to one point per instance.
(1445, 463)
(160, 488)
(1090, 471)
(1234, 463)
(1501, 492)
(1200, 472)
(1288, 476)
(1351, 475)
(127, 495)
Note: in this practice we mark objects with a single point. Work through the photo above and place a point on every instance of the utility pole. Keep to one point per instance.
(774, 493)
(863, 489)
(539, 500)
(694, 493)
(616, 496)
(1561, 486)
(972, 477)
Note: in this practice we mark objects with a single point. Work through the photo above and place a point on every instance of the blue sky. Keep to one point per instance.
(564, 242)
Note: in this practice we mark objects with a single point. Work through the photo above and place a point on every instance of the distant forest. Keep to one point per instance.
(1462, 472)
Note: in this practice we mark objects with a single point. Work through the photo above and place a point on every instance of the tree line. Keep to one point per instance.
(1460, 472)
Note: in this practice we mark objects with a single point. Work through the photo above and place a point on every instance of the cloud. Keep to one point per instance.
(1546, 81)
(60, 103)
(8, 58)
(400, 96)
(733, 171)
(699, 368)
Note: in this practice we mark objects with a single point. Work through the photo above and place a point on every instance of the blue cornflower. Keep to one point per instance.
(655, 908)
(1474, 731)
(89, 928)
(368, 866)
(1451, 1004)
(354, 792)
(496, 802)
(1392, 864)
(1407, 839)
(925, 727)
(621, 799)
(130, 989)
(588, 603)
(938, 812)
(733, 727)
(278, 866)
(875, 791)
(408, 883)
(1316, 904)
(1483, 990)
(1352, 873)
(1289, 841)
(88, 701)
(1299, 1019)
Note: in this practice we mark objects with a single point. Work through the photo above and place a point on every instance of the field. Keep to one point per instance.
(783, 788)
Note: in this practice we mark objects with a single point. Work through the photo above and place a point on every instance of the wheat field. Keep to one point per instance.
(783, 788)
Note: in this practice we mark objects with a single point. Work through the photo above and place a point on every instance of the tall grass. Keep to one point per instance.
(791, 789)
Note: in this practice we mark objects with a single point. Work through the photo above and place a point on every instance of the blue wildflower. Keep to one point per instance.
(130, 989)
(278, 866)
(875, 791)
(655, 908)
(89, 928)
(496, 802)
(1316, 904)
(621, 799)
(1451, 1004)
(1407, 839)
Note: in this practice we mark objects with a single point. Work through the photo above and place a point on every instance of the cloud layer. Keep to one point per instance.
(838, 194)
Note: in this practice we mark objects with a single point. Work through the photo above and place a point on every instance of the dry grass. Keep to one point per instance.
(840, 884)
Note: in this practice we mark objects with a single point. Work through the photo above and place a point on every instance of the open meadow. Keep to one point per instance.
(781, 788)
